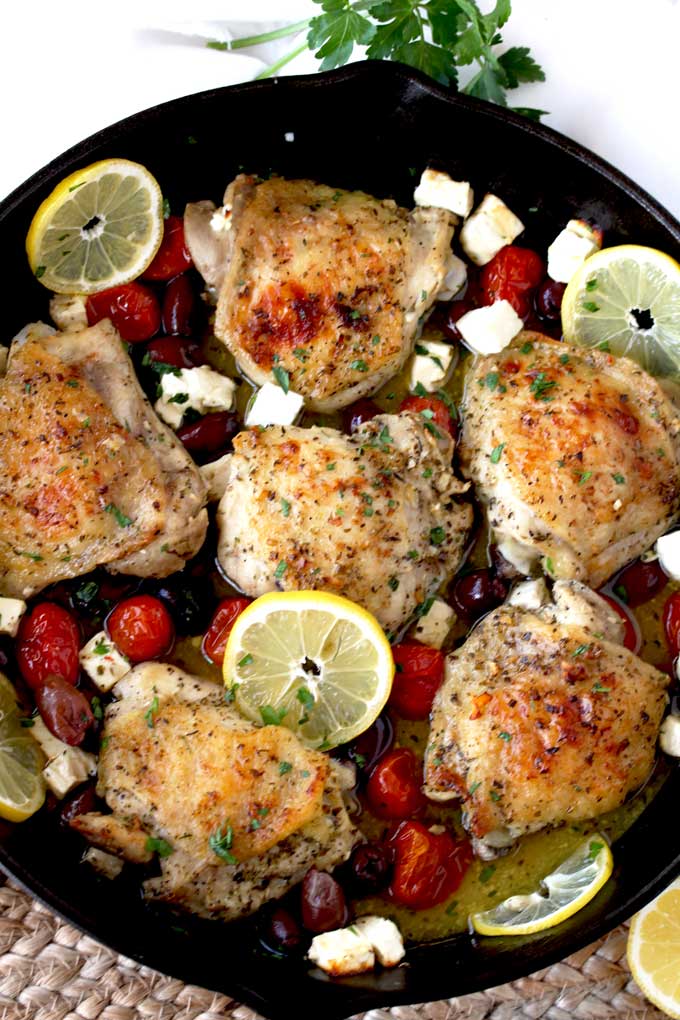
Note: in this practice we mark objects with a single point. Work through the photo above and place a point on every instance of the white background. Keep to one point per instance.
(67, 69)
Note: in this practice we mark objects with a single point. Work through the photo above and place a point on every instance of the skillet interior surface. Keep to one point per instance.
(371, 126)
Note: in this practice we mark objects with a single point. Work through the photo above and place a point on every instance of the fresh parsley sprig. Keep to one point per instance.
(435, 36)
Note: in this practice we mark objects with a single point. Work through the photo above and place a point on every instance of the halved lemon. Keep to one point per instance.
(563, 892)
(22, 788)
(627, 299)
(99, 228)
(654, 950)
(311, 661)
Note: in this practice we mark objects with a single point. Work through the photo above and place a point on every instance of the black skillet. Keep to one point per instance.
(371, 126)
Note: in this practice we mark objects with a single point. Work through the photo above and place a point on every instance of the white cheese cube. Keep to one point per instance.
(68, 311)
(430, 365)
(491, 226)
(171, 414)
(571, 248)
(342, 952)
(529, 595)
(489, 330)
(4, 352)
(104, 864)
(202, 389)
(385, 938)
(669, 736)
(668, 552)
(67, 767)
(433, 628)
(102, 661)
(272, 406)
(438, 189)
(215, 475)
(11, 611)
(455, 279)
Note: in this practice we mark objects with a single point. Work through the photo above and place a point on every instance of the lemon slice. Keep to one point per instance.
(99, 228)
(567, 889)
(22, 789)
(314, 662)
(654, 950)
(627, 299)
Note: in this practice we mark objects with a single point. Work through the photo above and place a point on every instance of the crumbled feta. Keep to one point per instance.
(201, 389)
(215, 475)
(668, 551)
(102, 662)
(571, 248)
(385, 939)
(432, 629)
(221, 219)
(529, 595)
(11, 611)
(669, 736)
(455, 279)
(68, 311)
(438, 189)
(67, 767)
(272, 406)
(104, 864)
(342, 952)
(430, 365)
(489, 330)
(491, 226)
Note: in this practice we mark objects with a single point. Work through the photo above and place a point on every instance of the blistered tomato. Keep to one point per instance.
(217, 634)
(631, 637)
(173, 255)
(132, 308)
(432, 409)
(428, 867)
(640, 582)
(671, 622)
(419, 675)
(393, 791)
(512, 275)
(141, 628)
(47, 645)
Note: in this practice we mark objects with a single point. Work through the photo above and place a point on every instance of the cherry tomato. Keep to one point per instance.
(631, 637)
(47, 645)
(180, 352)
(359, 412)
(132, 308)
(640, 582)
(420, 671)
(393, 789)
(141, 628)
(671, 622)
(428, 867)
(477, 593)
(512, 275)
(217, 634)
(178, 307)
(172, 258)
(324, 907)
(64, 709)
(433, 409)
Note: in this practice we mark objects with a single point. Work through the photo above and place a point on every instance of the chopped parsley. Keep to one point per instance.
(285, 767)
(73, 383)
(526, 348)
(413, 554)
(230, 693)
(564, 359)
(300, 353)
(491, 380)
(221, 843)
(179, 398)
(495, 796)
(121, 519)
(496, 453)
(473, 789)
(40, 271)
(427, 473)
(285, 507)
(541, 386)
(97, 710)
(594, 849)
(584, 476)
(591, 285)
(359, 365)
(272, 716)
(280, 570)
(590, 306)
(101, 648)
(159, 846)
(600, 689)
(604, 346)
(331, 466)
(282, 377)
(504, 735)
(36, 557)
(487, 872)
(152, 711)
(581, 650)
(246, 660)
(393, 583)
(437, 536)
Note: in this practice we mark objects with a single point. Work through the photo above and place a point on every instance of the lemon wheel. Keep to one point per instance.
(654, 950)
(22, 789)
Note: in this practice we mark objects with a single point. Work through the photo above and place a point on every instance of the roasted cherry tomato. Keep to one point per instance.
(47, 645)
(512, 275)
(428, 867)
(433, 409)
(141, 628)
(172, 258)
(640, 582)
(324, 907)
(671, 622)
(178, 351)
(359, 412)
(420, 671)
(393, 791)
(132, 308)
(64, 709)
(631, 636)
(217, 634)
(179, 302)
(477, 593)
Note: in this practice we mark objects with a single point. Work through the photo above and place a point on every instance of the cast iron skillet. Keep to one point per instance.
(370, 126)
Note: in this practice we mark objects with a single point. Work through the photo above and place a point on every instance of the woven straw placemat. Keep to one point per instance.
(51, 971)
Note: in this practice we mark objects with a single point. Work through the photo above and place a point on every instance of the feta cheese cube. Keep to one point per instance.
(529, 595)
(171, 413)
(67, 767)
(215, 475)
(669, 736)
(571, 248)
(430, 365)
(202, 389)
(433, 628)
(104, 864)
(102, 661)
(385, 938)
(489, 330)
(491, 226)
(11, 611)
(68, 311)
(272, 406)
(668, 551)
(438, 189)
(342, 952)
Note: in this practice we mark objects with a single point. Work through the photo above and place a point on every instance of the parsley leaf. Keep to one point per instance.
(221, 843)
(334, 33)
(282, 377)
(520, 66)
(159, 846)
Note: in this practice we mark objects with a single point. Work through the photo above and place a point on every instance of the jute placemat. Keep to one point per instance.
(51, 971)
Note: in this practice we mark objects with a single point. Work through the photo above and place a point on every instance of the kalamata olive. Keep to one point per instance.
(81, 802)
(548, 299)
(359, 412)
(640, 582)
(179, 301)
(210, 435)
(64, 709)
(281, 932)
(323, 902)
(178, 351)
(369, 868)
(371, 745)
(190, 600)
(477, 593)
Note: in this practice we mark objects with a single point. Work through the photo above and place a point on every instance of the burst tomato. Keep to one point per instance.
(640, 582)
(512, 275)
(393, 791)
(433, 410)
(428, 866)
(420, 671)
(173, 255)
(132, 308)
(47, 645)
(141, 628)
(217, 634)
(671, 622)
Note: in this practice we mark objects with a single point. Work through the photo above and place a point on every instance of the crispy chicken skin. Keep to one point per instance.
(588, 474)
(373, 516)
(543, 717)
(88, 475)
(325, 284)
(180, 765)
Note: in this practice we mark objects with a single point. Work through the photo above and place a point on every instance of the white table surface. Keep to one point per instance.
(68, 69)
